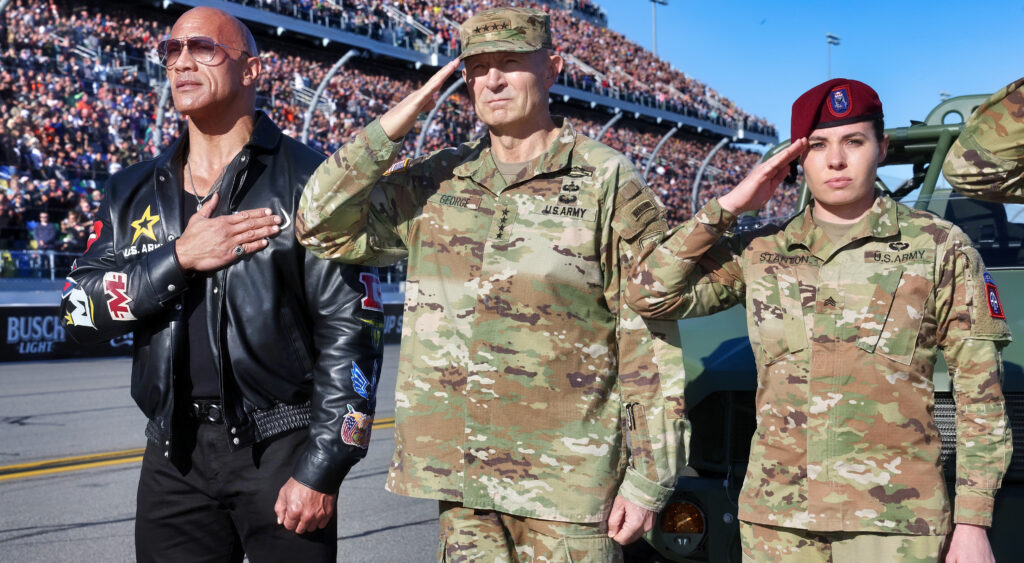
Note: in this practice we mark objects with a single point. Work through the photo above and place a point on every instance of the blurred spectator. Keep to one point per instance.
(45, 233)
(75, 230)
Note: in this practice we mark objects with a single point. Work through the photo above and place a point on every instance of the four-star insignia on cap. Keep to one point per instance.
(491, 27)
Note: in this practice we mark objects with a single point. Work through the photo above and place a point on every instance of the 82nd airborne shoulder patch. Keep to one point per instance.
(995, 306)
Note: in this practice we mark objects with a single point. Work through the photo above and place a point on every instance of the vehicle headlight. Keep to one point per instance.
(682, 517)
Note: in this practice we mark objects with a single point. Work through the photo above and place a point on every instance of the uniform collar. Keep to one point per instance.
(480, 167)
(880, 222)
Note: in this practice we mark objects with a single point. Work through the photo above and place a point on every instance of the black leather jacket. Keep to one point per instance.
(285, 327)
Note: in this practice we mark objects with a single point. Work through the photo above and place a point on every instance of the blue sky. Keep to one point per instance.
(763, 55)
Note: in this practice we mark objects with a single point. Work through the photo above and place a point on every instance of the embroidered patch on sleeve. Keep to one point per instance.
(97, 228)
(79, 309)
(115, 287)
(398, 166)
(371, 283)
(364, 386)
(69, 284)
(355, 428)
(995, 306)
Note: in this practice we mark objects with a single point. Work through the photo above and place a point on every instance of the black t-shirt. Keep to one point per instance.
(202, 370)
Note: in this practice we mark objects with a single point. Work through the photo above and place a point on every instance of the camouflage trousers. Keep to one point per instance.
(764, 544)
(487, 536)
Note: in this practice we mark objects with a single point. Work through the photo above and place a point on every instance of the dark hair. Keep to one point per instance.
(879, 125)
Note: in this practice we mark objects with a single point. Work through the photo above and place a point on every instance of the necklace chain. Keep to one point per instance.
(214, 189)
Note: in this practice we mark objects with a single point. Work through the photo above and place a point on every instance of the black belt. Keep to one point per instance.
(206, 411)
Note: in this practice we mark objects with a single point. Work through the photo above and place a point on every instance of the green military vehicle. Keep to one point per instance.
(700, 522)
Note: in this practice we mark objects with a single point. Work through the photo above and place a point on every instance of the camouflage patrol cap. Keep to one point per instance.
(516, 30)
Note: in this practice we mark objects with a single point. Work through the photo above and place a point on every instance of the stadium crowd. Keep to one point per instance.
(602, 60)
(79, 95)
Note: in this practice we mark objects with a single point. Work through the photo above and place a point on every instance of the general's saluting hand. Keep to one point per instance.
(758, 187)
(399, 120)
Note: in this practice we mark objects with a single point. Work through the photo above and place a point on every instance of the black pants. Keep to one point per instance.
(222, 507)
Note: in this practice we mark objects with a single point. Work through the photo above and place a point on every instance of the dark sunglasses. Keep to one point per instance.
(203, 49)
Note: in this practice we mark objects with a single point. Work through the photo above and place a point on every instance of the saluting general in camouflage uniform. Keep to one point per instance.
(522, 371)
(847, 304)
(987, 160)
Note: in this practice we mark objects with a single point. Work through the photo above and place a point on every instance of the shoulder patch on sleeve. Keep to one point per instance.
(987, 316)
(398, 166)
(995, 307)
(639, 217)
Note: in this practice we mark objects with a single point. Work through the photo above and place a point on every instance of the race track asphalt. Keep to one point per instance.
(59, 505)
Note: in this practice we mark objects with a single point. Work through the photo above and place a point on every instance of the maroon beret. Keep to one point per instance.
(836, 102)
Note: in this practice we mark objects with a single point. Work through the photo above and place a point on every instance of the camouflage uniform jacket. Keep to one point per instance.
(987, 160)
(845, 337)
(520, 367)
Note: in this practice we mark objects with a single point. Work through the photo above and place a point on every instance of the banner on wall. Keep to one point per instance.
(393, 323)
(33, 333)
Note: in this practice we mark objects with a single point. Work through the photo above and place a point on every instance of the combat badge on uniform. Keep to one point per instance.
(995, 307)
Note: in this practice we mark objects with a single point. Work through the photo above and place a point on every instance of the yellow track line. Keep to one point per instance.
(64, 469)
(75, 460)
(75, 463)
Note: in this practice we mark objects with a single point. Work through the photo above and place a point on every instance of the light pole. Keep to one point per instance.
(831, 40)
(654, 23)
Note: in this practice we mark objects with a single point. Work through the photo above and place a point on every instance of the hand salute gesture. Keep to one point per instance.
(399, 120)
(758, 187)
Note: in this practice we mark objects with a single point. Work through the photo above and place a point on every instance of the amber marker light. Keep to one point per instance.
(682, 518)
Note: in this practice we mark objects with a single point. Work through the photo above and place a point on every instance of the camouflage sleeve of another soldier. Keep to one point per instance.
(987, 160)
(355, 208)
(695, 272)
(651, 376)
(971, 330)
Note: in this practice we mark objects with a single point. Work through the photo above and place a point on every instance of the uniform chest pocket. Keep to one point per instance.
(892, 318)
(778, 313)
(555, 242)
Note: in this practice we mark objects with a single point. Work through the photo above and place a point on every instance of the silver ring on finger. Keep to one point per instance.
(239, 250)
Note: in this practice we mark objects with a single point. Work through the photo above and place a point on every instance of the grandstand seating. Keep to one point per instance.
(79, 89)
(602, 60)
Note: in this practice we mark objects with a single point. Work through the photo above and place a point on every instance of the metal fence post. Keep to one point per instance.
(433, 112)
(700, 173)
(615, 118)
(165, 90)
(320, 90)
(657, 149)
